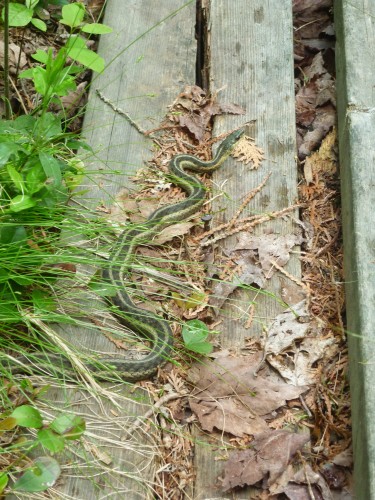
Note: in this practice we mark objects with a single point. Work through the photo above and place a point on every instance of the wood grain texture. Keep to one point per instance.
(152, 62)
(355, 28)
(251, 50)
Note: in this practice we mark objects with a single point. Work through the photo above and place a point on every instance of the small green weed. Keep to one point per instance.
(194, 334)
(42, 472)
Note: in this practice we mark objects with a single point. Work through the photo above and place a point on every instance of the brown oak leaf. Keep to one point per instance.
(268, 457)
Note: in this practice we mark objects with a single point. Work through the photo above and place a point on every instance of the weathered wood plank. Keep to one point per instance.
(355, 28)
(251, 49)
(152, 61)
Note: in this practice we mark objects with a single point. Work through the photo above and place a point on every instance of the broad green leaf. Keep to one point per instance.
(12, 234)
(200, 347)
(40, 56)
(28, 73)
(8, 424)
(53, 197)
(24, 123)
(22, 280)
(27, 416)
(40, 78)
(48, 126)
(35, 178)
(51, 167)
(21, 124)
(76, 42)
(19, 15)
(38, 23)
(77, 144)
(195, 333)
(63, 83)
(3, 482)
(74, 69)
(40, 477)
(16, 177)
(68, 425)
(88, 58)
(96, 29)
(73, 14)
(7, 149)
(197, 329)
(50, 440)
(21, 202)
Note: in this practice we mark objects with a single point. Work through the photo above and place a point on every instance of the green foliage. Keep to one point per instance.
(36, 176)
(33, 165)
(27, 416)
(194, 334)
(4, 479)
(72, 15)
(41, 476)
(52, 437)
(56, 79)
(21, 15)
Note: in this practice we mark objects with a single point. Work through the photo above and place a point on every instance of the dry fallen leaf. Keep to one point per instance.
(322, 162)
(269, 455)
(71, 102)
(304, 484)
(172, 231)
(298, 365)
(269, 248)
(315, 105)
(344, 459)
(254, 256)
(292, 324)
(195, 110)
(250, 274)
(16, 57)
(310, 6)
(229, 397)
(247, 152)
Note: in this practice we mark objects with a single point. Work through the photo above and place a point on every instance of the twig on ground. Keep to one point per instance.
(121, 112)
(165, 399)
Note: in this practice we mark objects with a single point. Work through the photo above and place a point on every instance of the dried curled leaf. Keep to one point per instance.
(268, 457)
(247, 152)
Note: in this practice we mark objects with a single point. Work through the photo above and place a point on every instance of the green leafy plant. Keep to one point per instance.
(194, 334)
(56, 79)
(22, 14)
(53, 437)
(34, 163)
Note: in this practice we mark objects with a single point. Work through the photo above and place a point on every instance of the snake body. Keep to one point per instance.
(142, 322)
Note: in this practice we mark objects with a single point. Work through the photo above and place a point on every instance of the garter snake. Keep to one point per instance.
(155, 329)
(152, 327)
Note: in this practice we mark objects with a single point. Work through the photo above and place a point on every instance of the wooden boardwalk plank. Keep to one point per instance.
(355, 28)
(143, 79)
(251, 48)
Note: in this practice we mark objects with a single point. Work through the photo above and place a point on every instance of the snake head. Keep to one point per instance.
(232, 138)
